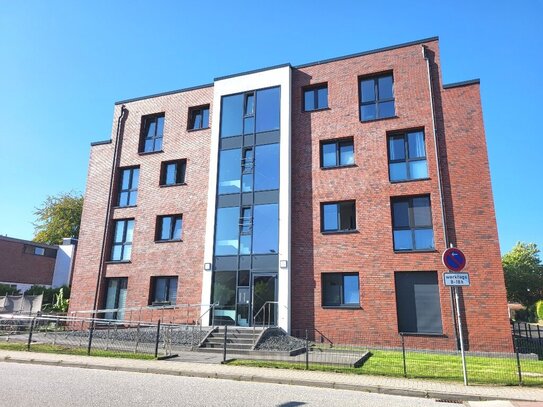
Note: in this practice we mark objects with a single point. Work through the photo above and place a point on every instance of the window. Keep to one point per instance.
(173, 172)
(340, 289)
(152, 132)
(169, 228)
(164, 290)
(412, 224)
(128, 192)
(199, 117)
(316, 97)
(116, 297)
(417, 302)
(376, 97)
(407, 156)
(122, 240)
(338, 216)
(337, 153)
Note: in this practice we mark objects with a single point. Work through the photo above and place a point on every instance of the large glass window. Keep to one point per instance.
(128, 192)
(229, 171)
(164, 290)
(169, 227)
(231, 115)
(227, 231)
(376, 97)
(407, 156)
(266, 167)
(152, 133)
(224, 296)
(338, 216)
(412, 223)
(116, 297)
(267, 109)
(122, 240)
(316, 97)
(417, 302)
(340, 289)
(266, 229)
(337, 153)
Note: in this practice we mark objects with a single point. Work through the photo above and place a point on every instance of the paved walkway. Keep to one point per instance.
(376, 384)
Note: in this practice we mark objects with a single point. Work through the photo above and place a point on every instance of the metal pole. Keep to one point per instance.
(306, 351)
(137, 338)
(30, 333)
(107, 336)
(91, 331)
(460, 331)
(515, 346)
(157, 338)
(224, 345)
(403, 355)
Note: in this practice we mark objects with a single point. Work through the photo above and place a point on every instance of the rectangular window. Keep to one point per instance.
(337, 153)
(122, 240)
(128, 186)
(340, 289)
(316, 97)
(417, 302)
(169, 228)
(338, 216)
(407, 156)
(376, 97)
(164, 290)
(152, 132)
(173, 172)
(198, 117)
(116, 297)
(412, 223)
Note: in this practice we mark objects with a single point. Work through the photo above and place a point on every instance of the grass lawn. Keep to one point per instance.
(481, 370)
(43, 348)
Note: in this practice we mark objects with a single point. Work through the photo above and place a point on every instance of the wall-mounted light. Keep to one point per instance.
(283, 264)
(207, 266)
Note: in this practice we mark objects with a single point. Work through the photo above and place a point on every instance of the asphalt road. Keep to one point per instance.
(36, 385)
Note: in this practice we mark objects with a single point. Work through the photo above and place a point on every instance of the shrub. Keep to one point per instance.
(48, 293)
(539, 309)
(7, 290)
(526, 315)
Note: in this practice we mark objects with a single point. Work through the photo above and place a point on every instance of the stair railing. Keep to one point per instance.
(267, 305)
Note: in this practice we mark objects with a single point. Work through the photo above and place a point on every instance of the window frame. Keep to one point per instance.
(315, 90)
(168, 294)
(412, 227)
(377, 101)
(337, 143)
(407, 160)
(158, 228)
(131, 190)
(338, 214)
(342, 303)
(145, 123)
(163, 172)
(123, 243)
(193, 112)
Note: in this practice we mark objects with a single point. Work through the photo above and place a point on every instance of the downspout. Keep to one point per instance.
(109, 208)
(439, 184)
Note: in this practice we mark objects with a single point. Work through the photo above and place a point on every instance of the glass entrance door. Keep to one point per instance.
(264, 309)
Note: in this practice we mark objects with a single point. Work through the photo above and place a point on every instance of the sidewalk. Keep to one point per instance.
(374, 384)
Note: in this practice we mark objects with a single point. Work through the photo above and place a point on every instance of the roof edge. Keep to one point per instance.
(99, 143)
(171, 92)
(16, 240)
(269, 68)
(373, 51)
(463, 83)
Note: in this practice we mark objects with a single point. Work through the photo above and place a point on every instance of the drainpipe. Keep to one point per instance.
(439, 183)
(109, 209)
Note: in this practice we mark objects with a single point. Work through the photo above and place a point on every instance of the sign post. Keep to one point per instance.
(455, 260)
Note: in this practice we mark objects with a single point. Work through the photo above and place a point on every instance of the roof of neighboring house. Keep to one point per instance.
(14, 240)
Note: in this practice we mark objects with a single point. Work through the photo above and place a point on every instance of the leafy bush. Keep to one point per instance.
(526, 315)
(539, 309)
(48, 293)
(7, 290)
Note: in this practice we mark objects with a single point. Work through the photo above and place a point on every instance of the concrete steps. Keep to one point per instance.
(237, 340)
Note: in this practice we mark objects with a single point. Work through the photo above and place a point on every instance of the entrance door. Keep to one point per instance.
(116, 297)
(264, 295)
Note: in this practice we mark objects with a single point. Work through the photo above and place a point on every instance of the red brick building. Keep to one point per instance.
(327, 191)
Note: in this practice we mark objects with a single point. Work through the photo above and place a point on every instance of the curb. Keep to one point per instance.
(264, 379)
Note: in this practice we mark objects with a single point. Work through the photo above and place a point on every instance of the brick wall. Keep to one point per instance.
(24, 268)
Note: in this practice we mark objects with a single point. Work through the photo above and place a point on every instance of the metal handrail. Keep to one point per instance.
(263, 308)
(211, 307)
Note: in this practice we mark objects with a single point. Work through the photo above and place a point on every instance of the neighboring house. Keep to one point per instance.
(24, 263)
(329, 189)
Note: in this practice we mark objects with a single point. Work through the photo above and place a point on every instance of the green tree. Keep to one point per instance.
(8, 290)
(523, 273)
(58, 217)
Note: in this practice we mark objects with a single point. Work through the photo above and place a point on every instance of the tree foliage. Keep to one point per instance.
(523, 273)
(8, 290)
(58, 217)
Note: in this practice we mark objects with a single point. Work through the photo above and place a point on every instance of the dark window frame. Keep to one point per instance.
(407, 160)
(314, 89)
(377, 101)
(342, 303)
(123, 243)
(168, 295)
(145, 123)
(412, 227)
(179, 175)
(158, 228)
(32, 249)
(338, 143)
(131, 189)
(194, 111)
(339, 230)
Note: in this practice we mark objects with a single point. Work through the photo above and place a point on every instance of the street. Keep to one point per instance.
(25, 384)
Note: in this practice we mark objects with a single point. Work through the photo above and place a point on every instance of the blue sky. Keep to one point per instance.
(64, 63)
